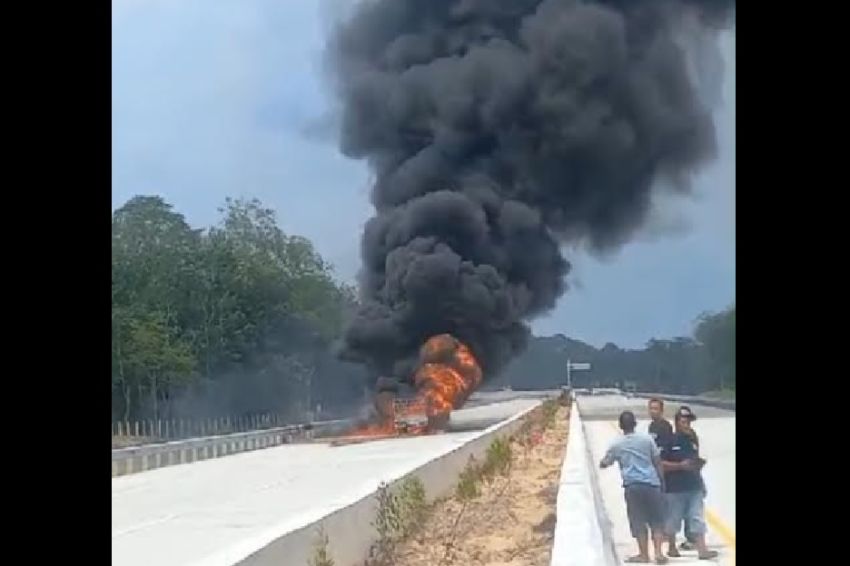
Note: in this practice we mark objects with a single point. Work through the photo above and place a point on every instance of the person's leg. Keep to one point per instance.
(657, 516)
(658, 537)
(689, 539)
(643, 545)
(695, 519)
(675, 515)
(637, 522)
(671, 544)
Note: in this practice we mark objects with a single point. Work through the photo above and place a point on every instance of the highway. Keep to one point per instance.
(215, 512)
(716, 430)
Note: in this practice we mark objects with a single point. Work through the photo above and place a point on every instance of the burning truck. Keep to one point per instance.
(446, 376)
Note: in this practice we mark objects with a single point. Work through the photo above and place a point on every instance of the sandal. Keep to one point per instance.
(661, 559)
(709, 555)
(673, 553)
(637, 560)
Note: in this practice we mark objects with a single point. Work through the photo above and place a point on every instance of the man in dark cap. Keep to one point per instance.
(690, 540)
(660, 429)
(683, 485)
(640, 468)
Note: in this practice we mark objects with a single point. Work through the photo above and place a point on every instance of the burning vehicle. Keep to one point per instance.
(446, 376)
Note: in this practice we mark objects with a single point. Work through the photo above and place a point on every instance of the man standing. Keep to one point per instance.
(684, 488)
(659, 427)
(640, 468)
(660, 430)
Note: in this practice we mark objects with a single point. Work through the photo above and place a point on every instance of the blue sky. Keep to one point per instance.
(216, 98)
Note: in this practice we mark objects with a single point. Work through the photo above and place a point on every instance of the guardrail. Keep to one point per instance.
(150, 431)
(136, 459)
(728, 404)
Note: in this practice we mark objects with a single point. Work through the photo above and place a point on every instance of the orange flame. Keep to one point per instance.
(448, 374)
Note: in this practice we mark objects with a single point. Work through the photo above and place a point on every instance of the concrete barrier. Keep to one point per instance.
(348, 525)
(582, 528)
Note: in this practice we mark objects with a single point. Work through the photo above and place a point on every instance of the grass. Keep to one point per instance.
(321, 556)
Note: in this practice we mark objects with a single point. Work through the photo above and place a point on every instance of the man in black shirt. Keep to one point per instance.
(683, 484)
(659, 427)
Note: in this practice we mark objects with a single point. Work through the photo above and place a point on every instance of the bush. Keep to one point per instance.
(467, 482)
(321, 556)
(413, 505)
(398, 515)
(498, 459)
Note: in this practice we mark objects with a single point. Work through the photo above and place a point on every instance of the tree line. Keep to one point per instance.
(241, 318)
(700, 363)
(235, 318)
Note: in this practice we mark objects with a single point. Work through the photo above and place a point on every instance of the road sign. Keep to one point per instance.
(571, 366)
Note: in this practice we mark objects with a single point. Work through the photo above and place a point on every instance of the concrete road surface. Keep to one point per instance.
(716, 430)
(213, 512)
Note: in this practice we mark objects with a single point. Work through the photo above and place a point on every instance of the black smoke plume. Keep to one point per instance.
(497, 131)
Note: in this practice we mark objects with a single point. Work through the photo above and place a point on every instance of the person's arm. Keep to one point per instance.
(670, 466)
(699, 462)
(659, 467)
(609, 458)
(675, 466)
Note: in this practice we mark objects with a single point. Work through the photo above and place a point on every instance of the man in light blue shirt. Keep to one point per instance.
(640, 468)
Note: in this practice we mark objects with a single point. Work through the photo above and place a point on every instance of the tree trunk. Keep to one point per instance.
(140, 396)
(125, 389)
(207, 340)
(154, 396)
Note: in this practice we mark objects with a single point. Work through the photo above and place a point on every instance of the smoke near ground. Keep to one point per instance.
(499, 130)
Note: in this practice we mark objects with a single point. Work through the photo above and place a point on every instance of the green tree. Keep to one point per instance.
(153, 250)
(160, 360)
(241, 305)
(716, 332)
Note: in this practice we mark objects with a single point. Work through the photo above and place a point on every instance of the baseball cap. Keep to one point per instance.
(685, 411)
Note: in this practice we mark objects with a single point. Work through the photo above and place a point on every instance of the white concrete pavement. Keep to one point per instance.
(213, 511)
(717, 445)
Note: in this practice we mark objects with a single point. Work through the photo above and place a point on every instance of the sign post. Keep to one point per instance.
(578, 366)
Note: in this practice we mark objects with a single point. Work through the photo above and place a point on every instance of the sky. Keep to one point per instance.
(218, 98)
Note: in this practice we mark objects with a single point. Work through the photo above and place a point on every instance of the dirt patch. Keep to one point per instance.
(511, 522)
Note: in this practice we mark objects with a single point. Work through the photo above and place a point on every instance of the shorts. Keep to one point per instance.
(685, 506)
(645, 507)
